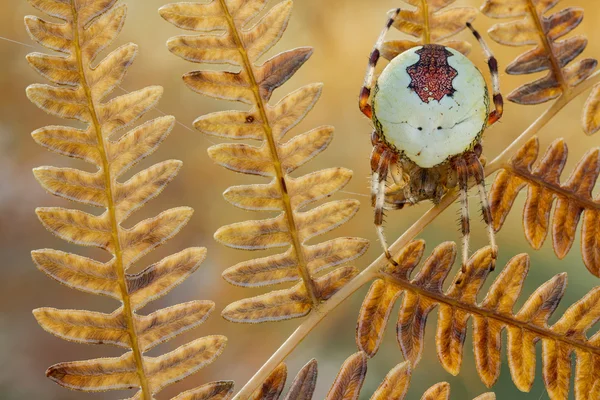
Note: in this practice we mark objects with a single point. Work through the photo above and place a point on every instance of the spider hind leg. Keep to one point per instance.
(466, 166)
(479, 175)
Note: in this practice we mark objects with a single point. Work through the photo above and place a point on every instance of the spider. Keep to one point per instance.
(430, 107)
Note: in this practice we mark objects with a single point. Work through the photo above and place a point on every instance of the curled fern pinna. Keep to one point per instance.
(224, 38)
(79, 93)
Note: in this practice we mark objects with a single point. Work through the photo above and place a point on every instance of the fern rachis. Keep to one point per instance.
(79, 93)
(254, 84)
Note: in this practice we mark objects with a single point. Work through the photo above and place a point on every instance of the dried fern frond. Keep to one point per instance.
(573, 199)
(549, 53)
(79, 93)
(349, 382)
(459, 303)
(430, 22)
(242, 46)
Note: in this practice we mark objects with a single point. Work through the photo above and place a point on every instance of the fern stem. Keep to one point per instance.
(280, 176)
(108, 181)
(581, 201)
(313, 319)
(426, 31)
(498, 162)
(478, 311)
(556, 69)
(372, 271)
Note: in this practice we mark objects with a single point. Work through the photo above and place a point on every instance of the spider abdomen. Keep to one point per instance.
(430, 103)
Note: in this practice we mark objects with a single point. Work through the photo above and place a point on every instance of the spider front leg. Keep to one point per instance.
(493, 64)
(365, 92)
(381, 158)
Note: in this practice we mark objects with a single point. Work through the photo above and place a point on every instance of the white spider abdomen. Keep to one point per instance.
(431, 103)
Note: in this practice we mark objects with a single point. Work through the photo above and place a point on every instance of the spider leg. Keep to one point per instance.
(479, 175)
(376, 160)
(365, 92)
(463, 185)
(380, 163)
(493, 64)
(397, 175)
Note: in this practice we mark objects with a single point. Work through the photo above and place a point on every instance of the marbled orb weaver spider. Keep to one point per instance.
(430, 107)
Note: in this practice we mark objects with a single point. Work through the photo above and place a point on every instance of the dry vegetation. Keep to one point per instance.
(273, 158)
(348, 383)
(78, 93)
(238, 33)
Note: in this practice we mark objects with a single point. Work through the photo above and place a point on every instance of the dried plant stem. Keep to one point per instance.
(372, 271)
(475, 310)
(556, 69)
(367, 275)
(498, 162)
(112, 211)
(426, 30)
(279, 173)
(583, 202)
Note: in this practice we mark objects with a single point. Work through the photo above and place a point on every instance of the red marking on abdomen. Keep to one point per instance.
(432, 76)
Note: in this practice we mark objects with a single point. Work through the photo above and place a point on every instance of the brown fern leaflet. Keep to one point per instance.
(573, 199)
(79, 92)
(430, 22)
(242, 46)
(591, 112)
(549, 54)
(349, 382)
(459, 303)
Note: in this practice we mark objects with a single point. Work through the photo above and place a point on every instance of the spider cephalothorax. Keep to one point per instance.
(430, 107)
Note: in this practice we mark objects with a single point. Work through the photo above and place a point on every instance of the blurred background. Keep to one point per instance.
(342, 33)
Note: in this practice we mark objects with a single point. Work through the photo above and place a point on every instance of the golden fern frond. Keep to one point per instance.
(573, 199)
(79, 93)
(459, 303)
(549, 53)
(253, 84)
(349, 382)
(430, 23)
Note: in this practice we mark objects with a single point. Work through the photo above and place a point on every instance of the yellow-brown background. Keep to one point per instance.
(342, 33)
